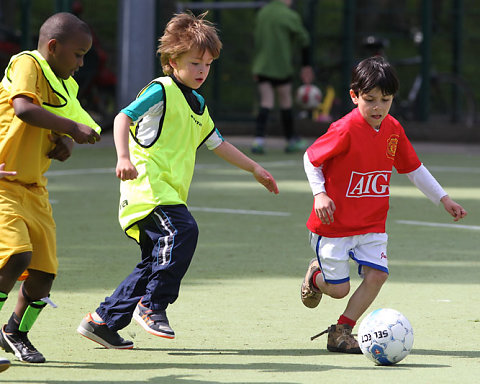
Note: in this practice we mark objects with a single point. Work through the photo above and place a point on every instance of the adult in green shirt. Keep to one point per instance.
(278, 35)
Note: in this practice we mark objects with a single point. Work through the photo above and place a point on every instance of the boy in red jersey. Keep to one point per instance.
(349, 170)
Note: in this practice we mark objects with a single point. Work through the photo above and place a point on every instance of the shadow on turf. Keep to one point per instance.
(297, 352)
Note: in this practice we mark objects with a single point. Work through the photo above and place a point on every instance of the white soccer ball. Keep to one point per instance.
(385, 336)
(308, 96)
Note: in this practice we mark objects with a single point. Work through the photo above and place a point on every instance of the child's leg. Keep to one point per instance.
(13, 335)
(37, 286)
(175, 248)
(267, 102)
(366, 293)
(168, 240)
(12, 270)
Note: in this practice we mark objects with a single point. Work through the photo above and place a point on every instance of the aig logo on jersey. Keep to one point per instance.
(371, 184)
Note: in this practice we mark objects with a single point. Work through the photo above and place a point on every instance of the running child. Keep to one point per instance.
(349, 170)
(156, 138)
(38, 107)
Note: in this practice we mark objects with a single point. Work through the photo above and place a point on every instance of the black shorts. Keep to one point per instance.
(274, 82)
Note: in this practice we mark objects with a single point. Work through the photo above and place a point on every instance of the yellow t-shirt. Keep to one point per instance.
(24, 148)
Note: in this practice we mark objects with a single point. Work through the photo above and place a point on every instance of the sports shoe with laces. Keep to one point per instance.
(310, 295)
(154, 322)
(101, 334)
(340, 339)
(18, 344)
(4, 363)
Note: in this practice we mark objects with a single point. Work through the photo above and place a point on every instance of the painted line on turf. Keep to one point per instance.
(269, 164)
(454, 169)
(438, 225)
(87, 171)
(238, 211)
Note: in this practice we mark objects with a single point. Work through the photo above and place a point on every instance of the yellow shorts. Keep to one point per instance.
(26, 224)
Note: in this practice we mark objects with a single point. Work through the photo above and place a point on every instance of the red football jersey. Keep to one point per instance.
(357, 165)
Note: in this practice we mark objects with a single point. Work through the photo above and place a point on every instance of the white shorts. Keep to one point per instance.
(334, 253)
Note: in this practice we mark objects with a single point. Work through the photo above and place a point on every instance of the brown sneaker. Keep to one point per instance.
(310, 295)
(340, 339)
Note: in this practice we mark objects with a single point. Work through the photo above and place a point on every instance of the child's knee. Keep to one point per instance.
(338, 291)
(376, 277)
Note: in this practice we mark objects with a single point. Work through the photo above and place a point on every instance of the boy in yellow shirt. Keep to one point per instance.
(38, 109)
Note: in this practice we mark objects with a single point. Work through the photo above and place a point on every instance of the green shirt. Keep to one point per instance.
(278, 31)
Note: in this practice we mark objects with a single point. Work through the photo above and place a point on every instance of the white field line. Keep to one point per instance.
(438, 225)
(272, 164)
(238, 211)
(434, 168)
(89, 171)
(86, 171)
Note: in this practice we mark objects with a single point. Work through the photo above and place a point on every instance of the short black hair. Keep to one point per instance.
(374, 72)
(62, 26)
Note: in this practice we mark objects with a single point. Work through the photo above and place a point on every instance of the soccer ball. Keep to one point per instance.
(385, 336)
(309, 96)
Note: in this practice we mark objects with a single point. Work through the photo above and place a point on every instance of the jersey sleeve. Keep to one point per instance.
(214, 140)
(406, 159)
(327, 146)
(149, 101)
(24, 75)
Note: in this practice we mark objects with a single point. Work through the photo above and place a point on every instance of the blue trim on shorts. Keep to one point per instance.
(366, 263)
(371, 265)
(341, 281)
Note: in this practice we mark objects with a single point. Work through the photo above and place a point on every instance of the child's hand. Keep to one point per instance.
(4, 173)
(456, 210)
(126, 170)
(266, 179)
(83, 134)
(324, 208)
(63, 147)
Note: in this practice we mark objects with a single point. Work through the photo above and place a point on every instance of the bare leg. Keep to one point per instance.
(12, 270)
(366, 293)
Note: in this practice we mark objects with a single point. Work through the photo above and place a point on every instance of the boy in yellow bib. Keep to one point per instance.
(156, 138)
(38, 108)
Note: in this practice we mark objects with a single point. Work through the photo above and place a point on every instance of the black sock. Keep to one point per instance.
(13, 323)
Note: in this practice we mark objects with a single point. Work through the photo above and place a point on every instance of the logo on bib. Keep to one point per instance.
(371, 184)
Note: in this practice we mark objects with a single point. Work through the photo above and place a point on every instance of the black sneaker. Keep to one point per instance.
(18, 344)
(101, 334)
(4, 363)
(154, 322)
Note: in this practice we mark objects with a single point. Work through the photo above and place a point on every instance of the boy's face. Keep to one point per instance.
(373, 106)
(67, 57)
(192, 68)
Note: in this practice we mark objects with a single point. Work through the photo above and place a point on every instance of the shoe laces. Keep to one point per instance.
(345, 331)
(26, 342)
(156, 317)
(321, 333)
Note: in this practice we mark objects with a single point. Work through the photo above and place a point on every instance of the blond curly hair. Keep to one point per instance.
(184, 32)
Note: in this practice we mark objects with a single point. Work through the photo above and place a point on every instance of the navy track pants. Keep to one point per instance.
(168, 238)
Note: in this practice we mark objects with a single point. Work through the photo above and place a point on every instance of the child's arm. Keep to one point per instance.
(34, 114)
(121, 129)
(453, 208)
(63, 147)
(430, 187)
(230, 153)
(4, 173)
(323, 204)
